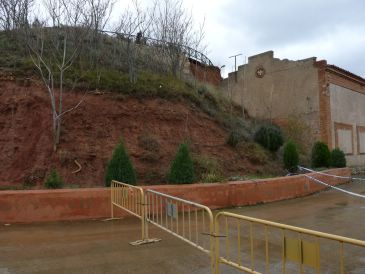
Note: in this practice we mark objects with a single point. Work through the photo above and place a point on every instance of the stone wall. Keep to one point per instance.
(77, 204)
(327, 100)
(276, 90)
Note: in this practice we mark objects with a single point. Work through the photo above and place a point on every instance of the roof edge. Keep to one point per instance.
(345, 73)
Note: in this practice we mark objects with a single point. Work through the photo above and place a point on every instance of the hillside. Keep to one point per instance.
(151, 127)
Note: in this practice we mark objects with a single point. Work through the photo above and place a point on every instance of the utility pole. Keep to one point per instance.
(235, 64)
(243, 88)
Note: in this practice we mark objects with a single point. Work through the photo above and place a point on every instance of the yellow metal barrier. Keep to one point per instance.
(254, 245)
(131, 199)
(188, 221)
(245, 243)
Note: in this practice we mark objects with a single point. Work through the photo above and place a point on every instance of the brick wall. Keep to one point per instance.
(78, 204)
(205, 74)
(345, 81)
(324, 104)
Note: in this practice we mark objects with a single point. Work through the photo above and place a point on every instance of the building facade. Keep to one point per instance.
(326, 102)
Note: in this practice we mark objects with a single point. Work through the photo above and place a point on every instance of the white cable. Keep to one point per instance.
(337, 188)
(331, 175)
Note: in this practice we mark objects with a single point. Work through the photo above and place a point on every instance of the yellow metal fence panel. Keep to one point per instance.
(311, 254)
(292, 250)
(188, 221)
(127, 197)
(258, 246)
(131, 199)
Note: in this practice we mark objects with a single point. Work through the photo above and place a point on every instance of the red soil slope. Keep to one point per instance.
(91, 132)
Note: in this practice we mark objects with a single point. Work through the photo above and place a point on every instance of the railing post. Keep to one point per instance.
(215, 252)
(112, 199)
(143, 216)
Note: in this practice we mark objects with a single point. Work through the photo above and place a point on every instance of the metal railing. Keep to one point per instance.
(247, 244)
(131, 199)
(188, 221)
(188, 51)
(254, 245)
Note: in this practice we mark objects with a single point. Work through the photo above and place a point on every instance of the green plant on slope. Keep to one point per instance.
(120, 167)
(182, 168)
(53, 180)
(207, 169)
(321, 156)
(270, 137)
(291, 156)
(338, 158)
(233, 138)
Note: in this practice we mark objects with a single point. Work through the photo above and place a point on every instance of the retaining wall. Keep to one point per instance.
(92, 203)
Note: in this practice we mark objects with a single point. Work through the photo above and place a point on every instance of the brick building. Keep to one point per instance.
(327, 100)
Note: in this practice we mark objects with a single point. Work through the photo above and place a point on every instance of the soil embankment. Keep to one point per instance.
(151, 128)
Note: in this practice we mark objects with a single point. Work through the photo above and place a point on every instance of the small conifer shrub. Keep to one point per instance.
(120, 167)
(291, 156)
(182, 168)
(233, 139)
(321, 155)
(338, 158)
(53, 180)
(270, 137)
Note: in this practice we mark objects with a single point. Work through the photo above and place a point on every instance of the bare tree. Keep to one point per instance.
(54, 49)
(100, 11)
(134, 24)
(174, 26)
(14, 13)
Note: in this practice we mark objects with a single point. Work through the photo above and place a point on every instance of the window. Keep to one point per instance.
(344, 138)
(360, 139)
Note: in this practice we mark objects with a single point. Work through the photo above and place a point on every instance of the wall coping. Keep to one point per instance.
(26, 206)
(182, 186)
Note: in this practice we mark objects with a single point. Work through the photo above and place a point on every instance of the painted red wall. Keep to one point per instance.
(208, 74)
(53, 205)
(77, 204)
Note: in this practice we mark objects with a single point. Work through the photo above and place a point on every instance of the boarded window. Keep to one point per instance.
(361, 139)
(344, 137)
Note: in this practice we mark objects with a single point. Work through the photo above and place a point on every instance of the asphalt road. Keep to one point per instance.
(102, 246)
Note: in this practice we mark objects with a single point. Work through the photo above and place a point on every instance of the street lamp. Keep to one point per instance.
(235, 64)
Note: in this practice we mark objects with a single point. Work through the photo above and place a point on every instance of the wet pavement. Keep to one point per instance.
(329, 211)
(102, 247)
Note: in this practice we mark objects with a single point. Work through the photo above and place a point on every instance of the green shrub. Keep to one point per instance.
(53, 180)
(182, 168)
(212, 178)
(207, 169)
(120, 167)
(338, 158)
(321, 156)
(254, 152)
(270, 137)
(148, 142)
(233, 138)
(291, 156)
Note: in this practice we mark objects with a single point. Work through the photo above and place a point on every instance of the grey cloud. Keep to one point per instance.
(353, 60)
(256, 26)
(280, 22)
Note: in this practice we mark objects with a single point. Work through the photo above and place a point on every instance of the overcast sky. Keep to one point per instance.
(327, 29)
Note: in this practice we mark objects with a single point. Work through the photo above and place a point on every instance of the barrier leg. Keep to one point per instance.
(144, 222)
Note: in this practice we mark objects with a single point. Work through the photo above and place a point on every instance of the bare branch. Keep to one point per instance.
(71, 109)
